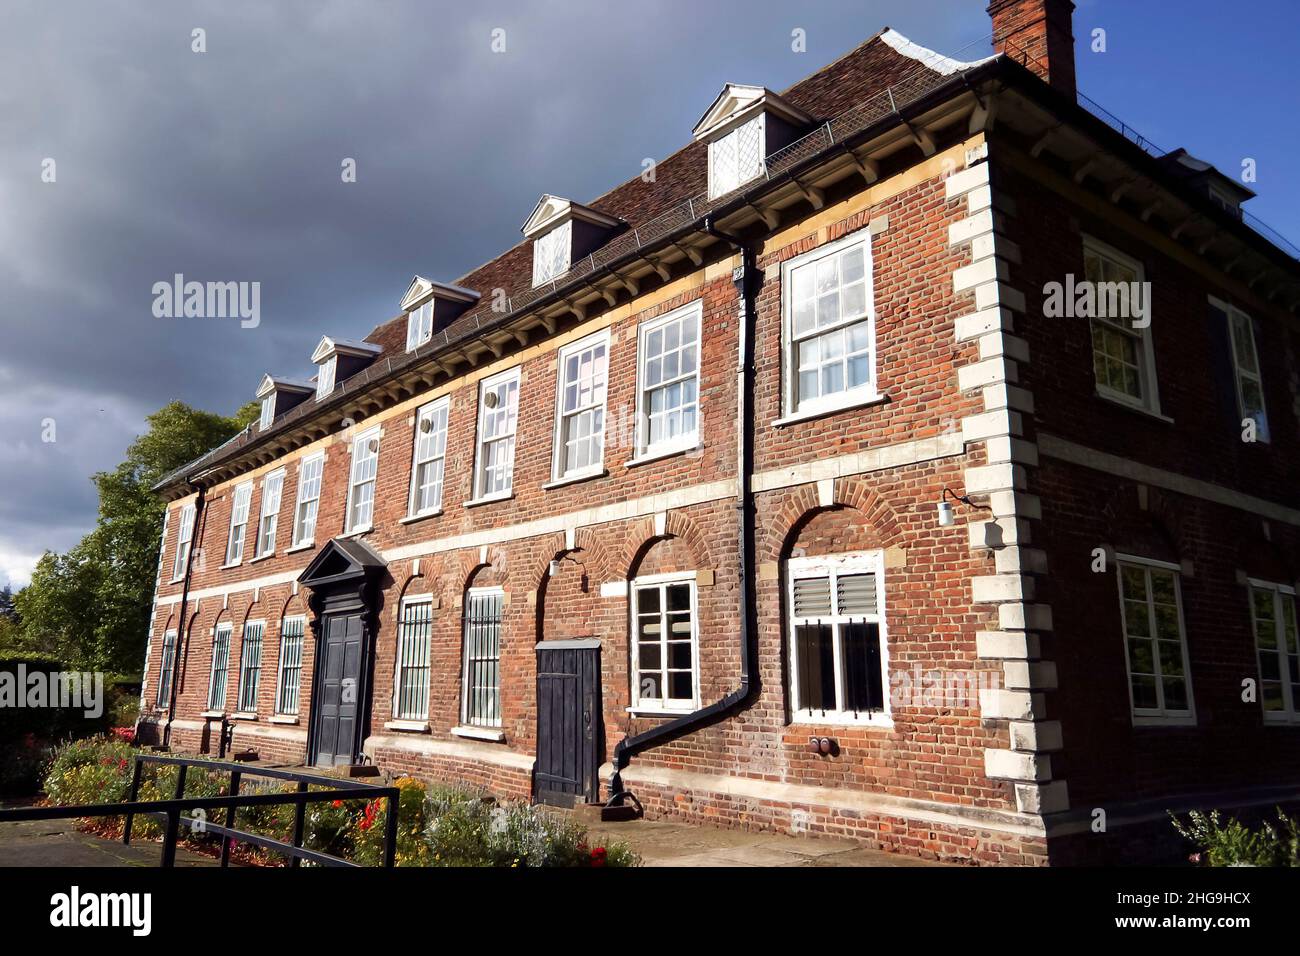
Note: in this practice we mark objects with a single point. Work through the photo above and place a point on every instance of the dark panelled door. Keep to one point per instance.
(568, 722)
(340, 676)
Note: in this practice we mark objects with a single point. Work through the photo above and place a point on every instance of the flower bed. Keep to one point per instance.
(437, 825)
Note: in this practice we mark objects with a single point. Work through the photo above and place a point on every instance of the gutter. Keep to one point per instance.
(746, 278)
(181, 633)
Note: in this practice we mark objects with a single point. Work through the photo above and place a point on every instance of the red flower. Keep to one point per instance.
(598, 856)
(337, 803)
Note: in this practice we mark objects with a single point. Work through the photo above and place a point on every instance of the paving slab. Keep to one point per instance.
(671, 843)
(58, 843)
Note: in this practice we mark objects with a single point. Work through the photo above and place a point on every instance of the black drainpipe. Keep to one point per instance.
(181, 632)
(747, 280)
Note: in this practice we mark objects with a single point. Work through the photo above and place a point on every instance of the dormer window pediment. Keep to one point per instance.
(430, 306)
(564, 231)
(743, 126)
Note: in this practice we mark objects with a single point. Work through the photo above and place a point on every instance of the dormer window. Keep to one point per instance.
(325, 377)
(419, 325)
(744, 126)
(338, 359)
(1222, 190)
(563, 232)
(431, 306)
(278, 395)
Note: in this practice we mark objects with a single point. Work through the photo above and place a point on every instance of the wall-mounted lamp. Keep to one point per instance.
(553, 568)
(947, 516)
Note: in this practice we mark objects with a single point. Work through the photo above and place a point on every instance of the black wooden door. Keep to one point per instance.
(337, 697)
(568, 722)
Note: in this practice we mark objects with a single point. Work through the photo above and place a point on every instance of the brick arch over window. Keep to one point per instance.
(803, 507)
(494, 572)
(642, 537)
(1154, 532)
(293, 605)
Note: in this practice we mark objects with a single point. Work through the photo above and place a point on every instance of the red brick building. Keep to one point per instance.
(909, 457)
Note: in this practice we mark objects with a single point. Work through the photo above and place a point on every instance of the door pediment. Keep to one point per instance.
(342, 561)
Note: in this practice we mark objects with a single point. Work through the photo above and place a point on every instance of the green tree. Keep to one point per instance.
(90, 606)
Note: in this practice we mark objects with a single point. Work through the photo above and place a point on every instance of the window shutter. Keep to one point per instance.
(812, 597)
(856, 594)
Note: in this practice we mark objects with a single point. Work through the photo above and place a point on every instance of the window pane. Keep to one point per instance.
(816, 666)
(863, 689)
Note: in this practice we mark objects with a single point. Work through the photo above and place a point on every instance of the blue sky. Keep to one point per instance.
(225, 166)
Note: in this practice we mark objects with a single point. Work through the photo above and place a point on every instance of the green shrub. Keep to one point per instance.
(1235, 844)
(331, 827)
(90, 770)
(21, 765)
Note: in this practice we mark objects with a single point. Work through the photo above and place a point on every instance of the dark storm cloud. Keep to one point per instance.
(225, 166)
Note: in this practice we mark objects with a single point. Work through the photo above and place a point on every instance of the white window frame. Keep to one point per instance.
(229, 629)
(1290, 712)
(184, 539)
(481, 443)
(268, 413)
(687, 440)
(240, 505)
(325, 377)
(298, 621)
(720, 186)
(792, 406)
(267, 523)
(354, 485)
(544, 256)
(560, 440)
(833, 565)
(259, 626)
(661, 705)
(1232, 313)
(466, 718)
(301, 540)
(434, 411)
(1150, 399)
(419, 325)
(400, 664)
(165, 667)
(1158, 716)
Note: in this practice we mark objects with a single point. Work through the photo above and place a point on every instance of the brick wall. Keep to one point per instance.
(935, 780)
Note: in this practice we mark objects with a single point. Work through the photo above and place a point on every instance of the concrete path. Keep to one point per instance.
(669, 843)
(58, 843)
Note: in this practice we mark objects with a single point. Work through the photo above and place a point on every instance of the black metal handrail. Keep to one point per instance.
(173, 810)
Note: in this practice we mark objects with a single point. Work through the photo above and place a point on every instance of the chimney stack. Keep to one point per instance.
(1039, 34)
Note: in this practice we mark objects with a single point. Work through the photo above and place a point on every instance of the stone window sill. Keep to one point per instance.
(575, 478)
(494, 734)
(408, 726)
(825, 411)
(412, 519)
